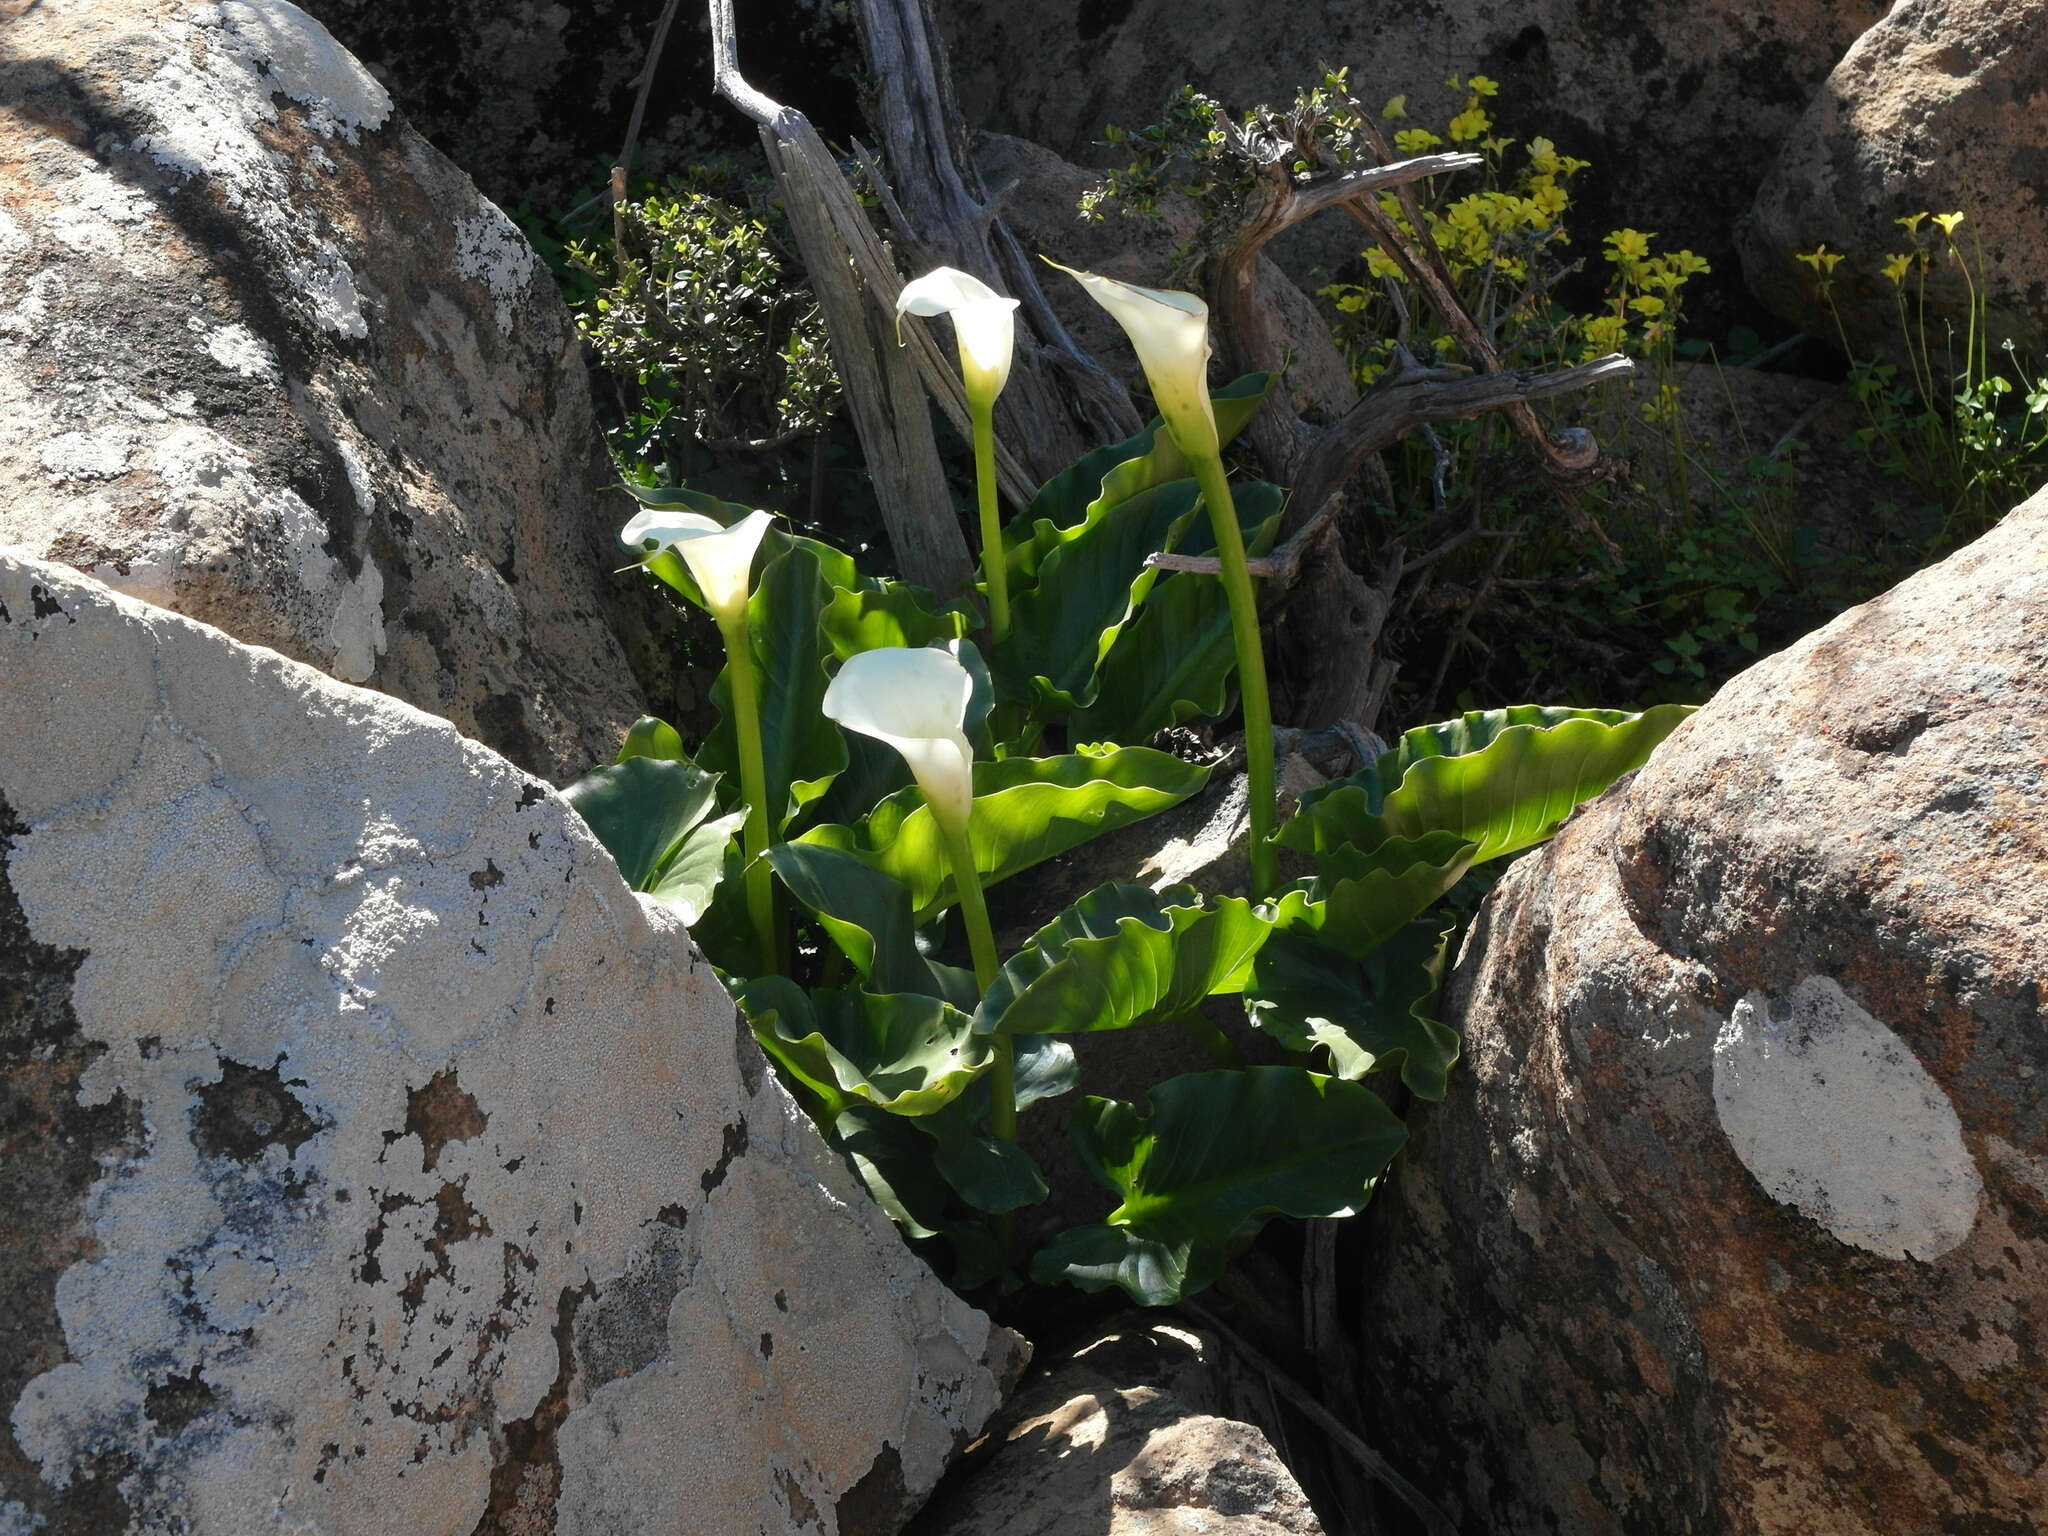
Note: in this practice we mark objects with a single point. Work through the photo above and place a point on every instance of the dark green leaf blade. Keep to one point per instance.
(801, 749)
(1368, 1014)
(866, 912)
(1122, 957)
(908, 1054)
(1174, 661)
(688, 881)
(1512, 791)
(1221, 1153)
(1026, 810)
(1361, 899)
(642, 809)
(988, 1173)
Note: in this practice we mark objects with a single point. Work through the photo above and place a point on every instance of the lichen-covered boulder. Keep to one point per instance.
(1736, 1219)
(1936, 109)
(374, 1161)
(268, 359)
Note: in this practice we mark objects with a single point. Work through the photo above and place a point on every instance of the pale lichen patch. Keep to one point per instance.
(100, 455)
(489, 249)
(1833, 1114)
(301, 59)
(241, 350)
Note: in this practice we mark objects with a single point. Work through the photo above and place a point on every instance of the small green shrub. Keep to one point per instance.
(711, 340)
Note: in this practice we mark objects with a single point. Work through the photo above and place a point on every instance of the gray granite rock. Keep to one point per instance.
(376, 1161)
(1935, 110)
(268, 359)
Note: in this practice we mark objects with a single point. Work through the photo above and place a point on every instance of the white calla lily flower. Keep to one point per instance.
(984, 325)
(916, 701)
(721, 559)
(1169, 330)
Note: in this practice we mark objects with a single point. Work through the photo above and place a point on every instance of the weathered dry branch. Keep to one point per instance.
(1413, 395)
(856, 286)
(1059, 402)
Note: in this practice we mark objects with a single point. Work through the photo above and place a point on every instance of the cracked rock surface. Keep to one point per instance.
(268, 359)
(1736, 1217)
(375, 1161)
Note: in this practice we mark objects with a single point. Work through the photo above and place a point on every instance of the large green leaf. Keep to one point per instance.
(989, 1174)
(894, 1161)
(893, 613)
(1026, 810)
(802, 751)
(653, 815)
(1088, 587)
(867, 914)
(1082, 493)
(1367, 1013)
(1121, 957)
(642, 809)
(687, 883)
(1173, 662)
(1523, 773)
(908, 1054)
(1361, 898)
(1221, 1153)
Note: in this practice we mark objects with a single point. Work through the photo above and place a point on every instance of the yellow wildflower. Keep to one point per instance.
(1910, 223)
(1479, 85)
(1416, 141)
(1396, 107)
(1948, 222)
(1627, 245)
(1898, 266)
(1647, 304)
(1469, 125)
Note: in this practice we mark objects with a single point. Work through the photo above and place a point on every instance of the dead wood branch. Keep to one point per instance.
(856, 287)
(1412, 395)
(1059, 402)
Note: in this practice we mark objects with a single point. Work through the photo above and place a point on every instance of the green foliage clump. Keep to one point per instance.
(696, 314)
(1968, 433)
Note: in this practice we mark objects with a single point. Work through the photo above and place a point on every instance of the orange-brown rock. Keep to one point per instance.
(1738, 1219)
(1938, 108)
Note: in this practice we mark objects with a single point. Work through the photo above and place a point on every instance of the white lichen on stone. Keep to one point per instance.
(238, 348)
(489, 249)
(94, 211)
(267, 872)
(210, 483)
(99, 455)
(1833, 1114)
(212, 92)
(301, 59)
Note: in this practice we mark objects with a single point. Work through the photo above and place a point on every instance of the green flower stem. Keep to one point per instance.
(981, 942)
(994, 569)
(746, 709)
(1251, 670)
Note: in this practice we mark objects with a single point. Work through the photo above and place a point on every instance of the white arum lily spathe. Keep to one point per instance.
(916, 701)
(1169, 330)
(984, 324)
(721, 559)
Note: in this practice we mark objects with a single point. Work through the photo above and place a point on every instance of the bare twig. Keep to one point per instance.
(1280, 567)
(1408, 397)
(1375, 1466)
(624, 163)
